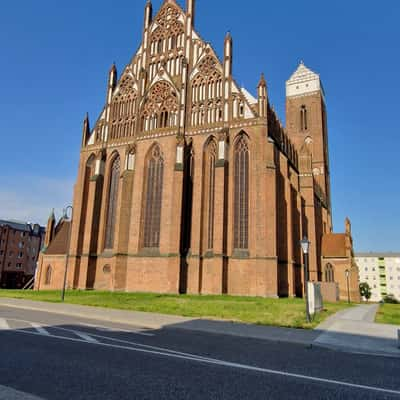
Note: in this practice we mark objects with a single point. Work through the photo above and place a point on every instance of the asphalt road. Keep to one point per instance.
(54, 357)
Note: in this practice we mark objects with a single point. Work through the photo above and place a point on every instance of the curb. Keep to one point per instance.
(352, 350)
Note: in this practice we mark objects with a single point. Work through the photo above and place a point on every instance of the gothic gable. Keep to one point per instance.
(172, 52)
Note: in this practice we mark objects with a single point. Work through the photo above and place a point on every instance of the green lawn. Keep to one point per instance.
(255, 310)
(389, 314)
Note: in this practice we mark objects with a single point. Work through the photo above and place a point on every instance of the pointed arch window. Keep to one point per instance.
(153, 198)
(112, 203)
(303, 118)
(241, 193)
(49, 273)
(329, 273)
(210, 159)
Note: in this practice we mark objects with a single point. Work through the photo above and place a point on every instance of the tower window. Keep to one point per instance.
(303, 118)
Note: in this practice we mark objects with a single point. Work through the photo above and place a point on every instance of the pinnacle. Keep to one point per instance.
(262, 81)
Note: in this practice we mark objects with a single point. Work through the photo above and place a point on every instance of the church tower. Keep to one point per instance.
(306, 123)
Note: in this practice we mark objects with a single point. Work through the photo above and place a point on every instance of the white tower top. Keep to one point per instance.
(303, 82)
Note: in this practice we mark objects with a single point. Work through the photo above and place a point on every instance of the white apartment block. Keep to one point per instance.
(382, 272)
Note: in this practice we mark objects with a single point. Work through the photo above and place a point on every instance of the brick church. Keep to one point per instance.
(187, 183)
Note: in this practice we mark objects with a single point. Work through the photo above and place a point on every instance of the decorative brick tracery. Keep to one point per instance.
(160, 109)
(123, 110)
(167, 41)
(207, 105)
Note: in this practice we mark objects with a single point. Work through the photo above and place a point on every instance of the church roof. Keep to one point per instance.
(59, 244)
(249, 97)
(303, 81)
(302, 74)
(334, 245)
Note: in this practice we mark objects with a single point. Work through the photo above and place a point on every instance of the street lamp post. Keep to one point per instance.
(348, 284)
(67, 255)
(305, 246)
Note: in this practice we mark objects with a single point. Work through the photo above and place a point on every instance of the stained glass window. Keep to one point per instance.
(241, 201)
(112, 203)
(153, 199)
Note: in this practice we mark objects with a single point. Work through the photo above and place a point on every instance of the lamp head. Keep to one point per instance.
(305, 245)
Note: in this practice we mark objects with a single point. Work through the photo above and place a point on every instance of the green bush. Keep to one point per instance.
(390, 299)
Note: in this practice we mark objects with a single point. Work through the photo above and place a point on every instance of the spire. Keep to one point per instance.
(262, 82)
(112, 75)
(262, 97)
(50, 229)
(190, 9)
(348, 226)
(148, 14)
(52, 215)
(112, 82)
(85, 130)
(228, 54)
(113, 68)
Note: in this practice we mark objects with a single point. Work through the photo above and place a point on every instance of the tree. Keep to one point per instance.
(365, 291)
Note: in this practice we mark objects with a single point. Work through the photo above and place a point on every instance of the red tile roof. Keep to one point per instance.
(59, 244)
(334, 245)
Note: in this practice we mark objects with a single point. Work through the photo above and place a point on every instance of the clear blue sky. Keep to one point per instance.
(55, 58)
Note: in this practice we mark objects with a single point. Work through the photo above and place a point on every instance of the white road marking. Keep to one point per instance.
(107, 329)
(4, 325)
(195, 358)
(7, 393)
(88, 325)
(144, 346)
(85, 337)
(39, 328)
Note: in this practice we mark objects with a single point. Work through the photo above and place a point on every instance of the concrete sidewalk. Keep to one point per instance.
(354, 330)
